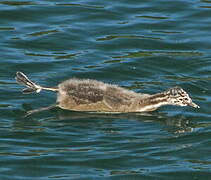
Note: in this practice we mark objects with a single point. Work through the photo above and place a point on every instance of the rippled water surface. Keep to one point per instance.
(146, 46)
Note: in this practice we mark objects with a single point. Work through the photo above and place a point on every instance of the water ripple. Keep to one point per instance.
(145, 46)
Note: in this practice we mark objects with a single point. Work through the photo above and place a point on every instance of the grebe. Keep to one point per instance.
(96, 96)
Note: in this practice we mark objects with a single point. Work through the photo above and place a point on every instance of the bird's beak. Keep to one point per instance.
(193, 105)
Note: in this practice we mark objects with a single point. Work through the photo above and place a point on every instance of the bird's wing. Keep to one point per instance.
(86, 95)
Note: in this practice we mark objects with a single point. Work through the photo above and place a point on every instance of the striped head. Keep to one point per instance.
(177, 96)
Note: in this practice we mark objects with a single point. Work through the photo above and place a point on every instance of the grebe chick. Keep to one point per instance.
(95, 96)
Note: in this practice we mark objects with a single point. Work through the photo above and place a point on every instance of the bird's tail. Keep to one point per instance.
(22, 79)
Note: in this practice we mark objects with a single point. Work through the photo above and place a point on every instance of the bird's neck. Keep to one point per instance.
(154, 101)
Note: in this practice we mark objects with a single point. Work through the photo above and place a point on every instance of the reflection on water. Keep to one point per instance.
(7, 28)
(159, 53)
(111, 37)
(173, 124)
(152, 17)
(17, 3)
(145, 46)
(56, 56)
(41, 33)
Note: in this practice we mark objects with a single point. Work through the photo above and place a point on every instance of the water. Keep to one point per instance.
(146, 46)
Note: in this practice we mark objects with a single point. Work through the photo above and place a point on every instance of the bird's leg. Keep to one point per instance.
(28, 113)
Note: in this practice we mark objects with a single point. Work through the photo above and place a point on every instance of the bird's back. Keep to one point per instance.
(92, 95)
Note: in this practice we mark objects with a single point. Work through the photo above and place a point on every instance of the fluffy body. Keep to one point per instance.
(96, 96)
(92, 95)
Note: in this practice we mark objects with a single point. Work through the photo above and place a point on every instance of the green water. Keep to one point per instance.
(145, 46)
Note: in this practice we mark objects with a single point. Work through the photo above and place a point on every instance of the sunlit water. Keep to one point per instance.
(146, 46)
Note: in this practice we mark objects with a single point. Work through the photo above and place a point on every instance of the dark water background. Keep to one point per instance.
(146, 46)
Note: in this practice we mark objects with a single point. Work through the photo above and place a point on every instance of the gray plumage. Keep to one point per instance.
(91, 95)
